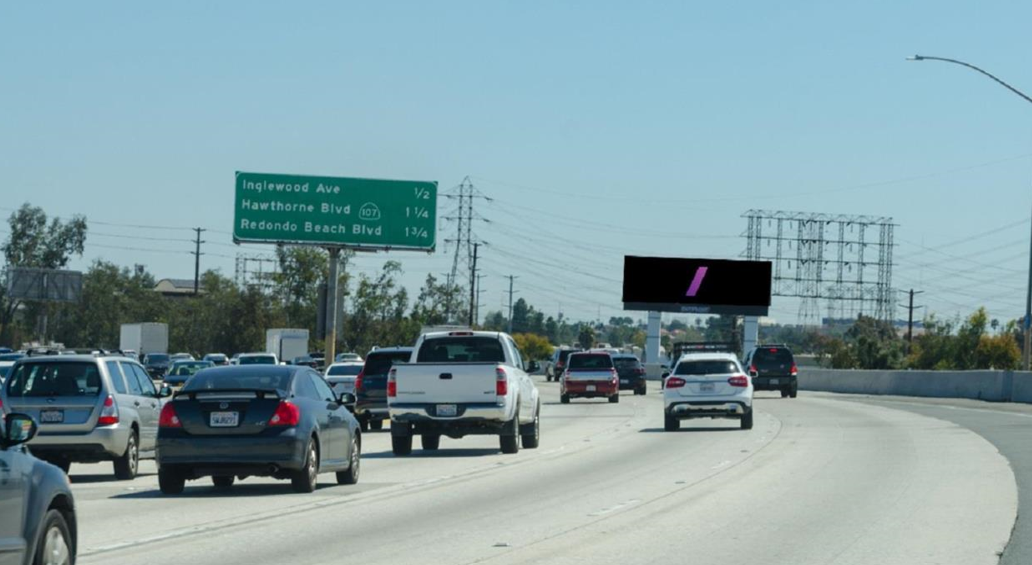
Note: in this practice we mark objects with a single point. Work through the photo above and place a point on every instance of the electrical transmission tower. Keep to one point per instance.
(464, 216)
(832, 257)
(251, 270)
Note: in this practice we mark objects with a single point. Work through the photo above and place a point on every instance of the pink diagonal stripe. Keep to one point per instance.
(693, 288)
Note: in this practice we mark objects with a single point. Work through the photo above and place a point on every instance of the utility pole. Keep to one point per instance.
(472, 285)
(511, 279)
(330, 349)
(480, 290)
(910, 318)
(197, 262)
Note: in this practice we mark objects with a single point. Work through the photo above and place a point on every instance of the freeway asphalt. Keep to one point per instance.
(819, 480)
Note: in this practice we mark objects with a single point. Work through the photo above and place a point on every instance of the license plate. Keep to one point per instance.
(624, 381)
(51, 416)
(773, 381)
(590, 388)
(225, 419)
(706, 387)
(447, 410)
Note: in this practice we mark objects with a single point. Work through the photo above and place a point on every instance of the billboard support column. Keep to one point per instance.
(652, 339)
(751, 335)
(331, 306)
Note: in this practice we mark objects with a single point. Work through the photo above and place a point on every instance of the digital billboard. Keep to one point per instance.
(701, 286)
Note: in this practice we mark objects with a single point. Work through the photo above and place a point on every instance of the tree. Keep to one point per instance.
(998, 352)
(377, 315)
(35, 242)
(431, 307)
(520, 316)
(534, 347)
(302, 270)
(552, 330)
(586, 337)
(495, 322)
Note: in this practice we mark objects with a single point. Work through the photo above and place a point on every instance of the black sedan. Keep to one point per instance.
(281, 421)
(38, 521)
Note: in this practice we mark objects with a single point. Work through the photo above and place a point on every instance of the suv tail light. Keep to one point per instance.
(640, 370)
(358, 381)
(501, 382)
(612, 375)
(169, 418)
(674, 382)
(392, 383)
(108, 414)
(738, 381)
(753, 369)
(795, 370)
(287, 414)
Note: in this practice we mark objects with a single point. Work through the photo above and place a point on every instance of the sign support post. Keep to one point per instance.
(751, 334)
(331, 306)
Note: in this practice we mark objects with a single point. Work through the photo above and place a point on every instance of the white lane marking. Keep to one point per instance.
(616, 508)
(721, 464)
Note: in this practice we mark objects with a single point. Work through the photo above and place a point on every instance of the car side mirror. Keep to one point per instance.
(347, 400)
(665, 375)
(165, 392)
(18, 429)
(754, 374)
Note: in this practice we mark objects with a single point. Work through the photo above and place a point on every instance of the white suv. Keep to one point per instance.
(707, 385)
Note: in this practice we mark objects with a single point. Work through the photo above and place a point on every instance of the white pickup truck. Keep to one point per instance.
(461, 383)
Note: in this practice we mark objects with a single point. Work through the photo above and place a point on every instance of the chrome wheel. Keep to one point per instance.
(313, 464)
(55, 548)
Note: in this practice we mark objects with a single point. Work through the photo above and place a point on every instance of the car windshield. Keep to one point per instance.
(381, 363)
(55, 379)
(5, 370)
(237, 380)
(339, 370)
(582, 361)
(626, 363)
(157, 358)
(183, 369)
(217, 357)
(707, 367)
(257, 360)
(461, 350)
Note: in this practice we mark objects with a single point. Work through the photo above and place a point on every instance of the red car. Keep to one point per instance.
(589, 375)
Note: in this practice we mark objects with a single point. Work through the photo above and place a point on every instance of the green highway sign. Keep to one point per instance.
(335, 211)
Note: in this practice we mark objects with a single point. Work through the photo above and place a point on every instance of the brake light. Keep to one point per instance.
(753, 368)
(108, 414)
(463, 334)
(501, 382)
(358, 381)
(641, 370)
(738, 381)
(773, 350)
(287, 414)
(392, 383)
(612, 374)
(673, 382)
(795, 370)
(168, 417)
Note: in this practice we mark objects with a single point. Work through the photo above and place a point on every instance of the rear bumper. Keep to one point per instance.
(783, 382)
(632, 382)
(470, 419)
(100, 444)
(372, 404)
(730, 408)
(580, 389)
(233, 454)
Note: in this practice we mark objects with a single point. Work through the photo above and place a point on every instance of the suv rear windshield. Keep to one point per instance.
(257, 360)
(156, 358)
(237, 380)
(380, 363)
(565, 354)
(591, 362)
(626, 362)
(55, 379)
(461, 350)
(772, 355)
(714, 367)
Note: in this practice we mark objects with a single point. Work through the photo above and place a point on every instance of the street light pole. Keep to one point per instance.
(1026, 351)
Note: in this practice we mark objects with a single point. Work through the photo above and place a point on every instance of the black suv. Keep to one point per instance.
(772, 367)
(371, 385)
(630, 371)
(558, 363)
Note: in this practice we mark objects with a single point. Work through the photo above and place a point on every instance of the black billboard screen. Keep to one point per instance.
(705, 286)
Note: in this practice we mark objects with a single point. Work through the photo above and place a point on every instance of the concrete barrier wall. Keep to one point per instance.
(997, 386)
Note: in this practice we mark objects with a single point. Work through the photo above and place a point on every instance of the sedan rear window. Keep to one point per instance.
(380, 363)
(591, 362)
(344, 370)
(461, 350)
(257, 360)
(55, 379)
(237, 380)
(626, 363)
(707, 368)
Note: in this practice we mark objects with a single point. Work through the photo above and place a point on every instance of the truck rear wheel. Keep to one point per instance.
(510, 438)
(376, 424)
(614, 399)
(564, 398)
(431, 442)
(401, 445)
(530, 434)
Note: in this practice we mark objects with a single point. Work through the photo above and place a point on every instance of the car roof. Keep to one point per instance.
(708, 357)
(347, 364)
(256, 353)
(460, 333)
(397, 349)
(624, 355)
(78, 358)
(257, 370)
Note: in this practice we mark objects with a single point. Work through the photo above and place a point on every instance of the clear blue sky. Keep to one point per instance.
(654, 117)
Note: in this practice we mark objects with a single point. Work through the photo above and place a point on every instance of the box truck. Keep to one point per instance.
(148, 337)
(286, 343)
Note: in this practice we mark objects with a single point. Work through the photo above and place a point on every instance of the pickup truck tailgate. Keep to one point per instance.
(445, 383)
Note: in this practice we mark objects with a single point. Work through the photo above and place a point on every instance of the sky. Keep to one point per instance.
(598, 129)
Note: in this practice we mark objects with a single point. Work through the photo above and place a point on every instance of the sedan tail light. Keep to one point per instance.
(109, 413)
(287, 414)
(674, 382)
(358, 381)
(392, 383)
(168, 417)
(501, 382)
(738, 381)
